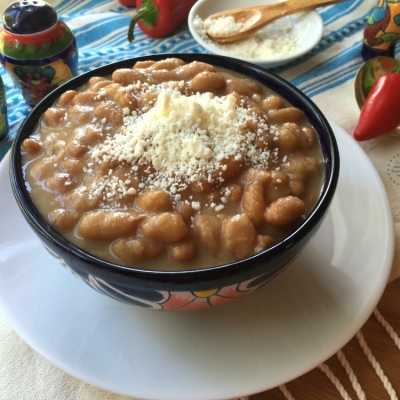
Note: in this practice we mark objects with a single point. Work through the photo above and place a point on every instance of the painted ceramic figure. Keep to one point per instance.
(382, 30)
(36, 48)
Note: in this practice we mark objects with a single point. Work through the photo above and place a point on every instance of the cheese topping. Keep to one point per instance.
(181, 139)
(222, 25)
(278, 39)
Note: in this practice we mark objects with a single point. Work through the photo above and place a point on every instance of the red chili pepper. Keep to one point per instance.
(158, 18)
(128, 3)
(380, 113)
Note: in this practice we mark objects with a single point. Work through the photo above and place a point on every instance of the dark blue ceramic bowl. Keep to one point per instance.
(191, 289)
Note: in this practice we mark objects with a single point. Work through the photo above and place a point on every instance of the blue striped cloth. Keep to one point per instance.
(100, 27)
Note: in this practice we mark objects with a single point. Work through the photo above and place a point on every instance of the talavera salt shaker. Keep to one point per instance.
(37, 49)
(382, 30)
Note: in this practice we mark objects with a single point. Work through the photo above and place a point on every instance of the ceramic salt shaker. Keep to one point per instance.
(37, 49)
(382, 30)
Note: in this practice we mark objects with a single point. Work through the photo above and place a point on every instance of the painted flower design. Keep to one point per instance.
(38, 82)
(196, 300)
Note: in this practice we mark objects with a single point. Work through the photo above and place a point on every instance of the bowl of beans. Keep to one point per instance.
(175, 182)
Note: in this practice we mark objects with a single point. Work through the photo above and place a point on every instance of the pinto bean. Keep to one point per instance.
(264, 242)
(80, 201)
(80, 114)
(272, 103)
(305, 135)
(108, 225)
(85, 98)
(92, 135)
(163, 75)
(298, 171)
(154, 200)
(229, 167)
(189, 71)
(54, 117)
(207, 81)
(286, 140)
(168, 64)
(186, 210)
(110, 114)
(183, 252)
(76, 149)
(284, 211)
(108, 92)
(137, 248)
(126, 99)
(95, 79)
(208, 227)
(101, 85)
(127, 76)
(256, 175)
(244, 87)
(253, 203)
(287, 114)
(233, 192)
(168, 227)
(144, 64)
(277, 187)
(239, 235)
(66, 98)
(308, 137)
(72, 166)
(201, 185)
(64, 220)
(31, 146)
(61, 183)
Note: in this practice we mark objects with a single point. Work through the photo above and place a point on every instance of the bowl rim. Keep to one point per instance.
(265, 77)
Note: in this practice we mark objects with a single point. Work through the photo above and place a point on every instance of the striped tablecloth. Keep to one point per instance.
(368, 367)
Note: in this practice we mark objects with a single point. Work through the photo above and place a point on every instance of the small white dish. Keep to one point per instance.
(306, 30)
(271, 336)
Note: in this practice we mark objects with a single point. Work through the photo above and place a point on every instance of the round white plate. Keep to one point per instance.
(289, 326)
(307, 28)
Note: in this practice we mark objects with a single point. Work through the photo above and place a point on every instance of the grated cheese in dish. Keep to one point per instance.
(278, 39)
(181, 139)
(222, 25)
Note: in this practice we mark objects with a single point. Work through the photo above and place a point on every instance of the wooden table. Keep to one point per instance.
(368, 367)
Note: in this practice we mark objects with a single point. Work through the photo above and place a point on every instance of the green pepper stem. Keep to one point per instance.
(147, 14)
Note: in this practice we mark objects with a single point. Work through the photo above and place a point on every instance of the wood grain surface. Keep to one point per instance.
(368, 367)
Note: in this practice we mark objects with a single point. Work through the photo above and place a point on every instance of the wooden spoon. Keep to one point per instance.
(255, 18)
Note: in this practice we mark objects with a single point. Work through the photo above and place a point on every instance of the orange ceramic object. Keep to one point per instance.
(382, 30)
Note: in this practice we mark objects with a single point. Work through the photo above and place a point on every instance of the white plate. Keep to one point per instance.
(307, 28)
(257, 342)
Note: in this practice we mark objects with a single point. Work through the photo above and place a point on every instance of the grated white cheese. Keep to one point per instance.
(222, 25)
(181, 139)
(278, 39)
